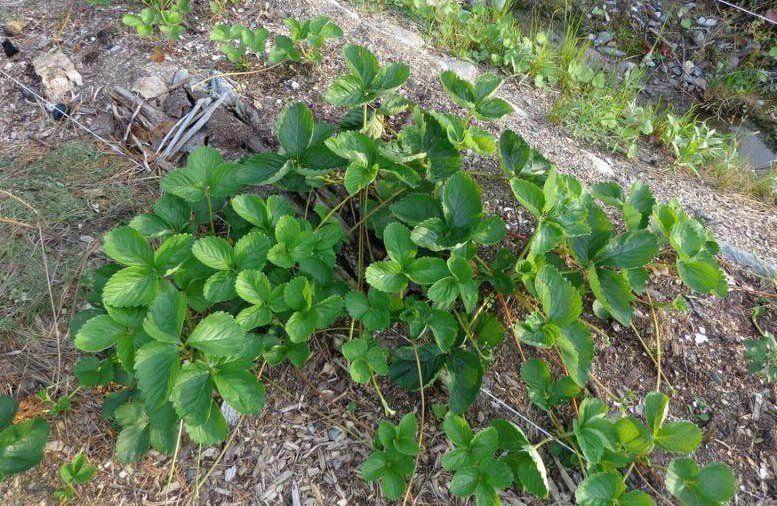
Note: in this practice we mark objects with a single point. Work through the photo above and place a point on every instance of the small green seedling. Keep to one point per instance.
(166, 15)
(76, 472)
(392, 461)
(238, 42)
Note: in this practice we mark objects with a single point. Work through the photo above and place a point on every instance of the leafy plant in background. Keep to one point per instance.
(76, 472)
(304, 43)
(21, 444)
(305, 40)
(165, 15)
(594, 103)
(694, 144)
(384, 228)
(237, 42)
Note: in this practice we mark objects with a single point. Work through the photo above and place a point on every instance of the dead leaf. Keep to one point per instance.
(157, 55)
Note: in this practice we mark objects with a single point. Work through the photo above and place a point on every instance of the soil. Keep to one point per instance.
(306, 445)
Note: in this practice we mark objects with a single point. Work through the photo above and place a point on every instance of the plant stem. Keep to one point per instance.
(659, 352)
(377, 208)
(386, 407)
(511, 323)
(210, 213)
(331, 212)
(543, 442)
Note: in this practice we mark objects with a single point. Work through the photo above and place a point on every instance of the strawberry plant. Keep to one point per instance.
(237, 42)
(165, 15)
(21, 444)
(377, 227)
(304, 44)
(476, 98)
(76, 472)
(712, 484)
(393, 460)
(305, 40)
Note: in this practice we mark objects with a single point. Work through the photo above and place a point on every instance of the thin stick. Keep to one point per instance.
(218, 459)
(658, 344)
(509, 317)
(423, 423)
(175, 455)
(376, 209)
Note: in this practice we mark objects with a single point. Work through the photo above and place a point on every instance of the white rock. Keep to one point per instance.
(149, 87)
(700, 338)
(601, 166)
(230, 473)
(464, 69)
(403, 36)
(58, 75)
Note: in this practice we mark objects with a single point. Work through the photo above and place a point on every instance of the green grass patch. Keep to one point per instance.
(72, 193)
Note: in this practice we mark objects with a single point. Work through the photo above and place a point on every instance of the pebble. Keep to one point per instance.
(603, 38)
(149, 87)
(612, 51)
(699, 37)
(334, 433)
(14, 27)
(60, 111)
(706, 22)
(700, 338)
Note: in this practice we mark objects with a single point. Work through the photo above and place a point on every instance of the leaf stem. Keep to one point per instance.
(331, 212)
(386, 407)
(659, 351)
(377, 208)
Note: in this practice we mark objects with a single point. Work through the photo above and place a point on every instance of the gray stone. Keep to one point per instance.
(753, 148)
(612, 51)
(748, 260)
(699, 37)
(464, 69)
(603, 38)
(706, 22)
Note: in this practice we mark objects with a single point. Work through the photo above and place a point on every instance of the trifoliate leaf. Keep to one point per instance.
(239, 387)
(714, 484)
(128, 247)
(217, 334)
(156, 366)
